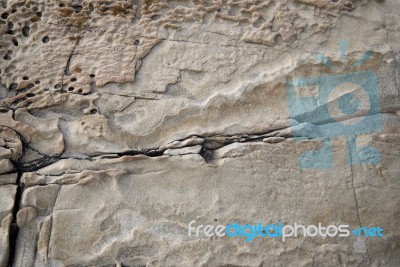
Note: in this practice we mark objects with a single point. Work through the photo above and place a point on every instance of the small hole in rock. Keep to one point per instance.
(349, 5)
(30, 87)
(30, 95)
(278, 39)
(8, 55)
(73, 79)
(21, 99)
(46, 89)
(28, 104)
(11, 32)
(4, 15)
(91, 8)
(80, 91)
(83, 123)
(93, 111)
(25, 31)
(57, 86)
(14, 10)
(92, 75)
(25, 78)
(61, 5)
(13, 86)
(15, 42)
(136, 42)
(71, 89)
(78, 9)
(37, 82)
(39, 14)
(9, 69)
(46, 39)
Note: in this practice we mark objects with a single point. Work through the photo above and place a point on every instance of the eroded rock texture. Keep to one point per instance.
(122, 121)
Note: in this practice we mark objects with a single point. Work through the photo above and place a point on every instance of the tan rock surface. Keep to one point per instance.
(122, 121)
(141, 217)
(7, 196)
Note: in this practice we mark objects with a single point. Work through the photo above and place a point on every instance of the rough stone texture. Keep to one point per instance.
(7, 197)
(146, 204)
(122, 121)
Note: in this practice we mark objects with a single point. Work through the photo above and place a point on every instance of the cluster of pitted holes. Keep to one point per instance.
(14, 86)
(77, 8)
(25, 30)
(71, 88)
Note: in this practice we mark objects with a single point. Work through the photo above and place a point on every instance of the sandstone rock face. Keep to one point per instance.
(123, 121)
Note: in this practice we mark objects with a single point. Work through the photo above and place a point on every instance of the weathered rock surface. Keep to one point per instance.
(122, 121)
(7, 196)
(146, 203)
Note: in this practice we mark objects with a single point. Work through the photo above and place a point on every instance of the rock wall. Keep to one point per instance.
(123, 121)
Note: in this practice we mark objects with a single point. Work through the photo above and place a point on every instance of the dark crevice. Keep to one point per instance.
(207, 154)
(14, 229)
(152, 152)
(21, 169)
(37, 164)
(67, 71)
(211, 143)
